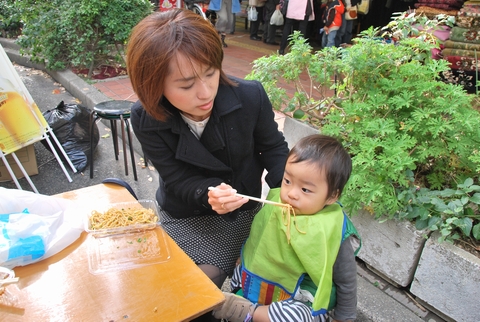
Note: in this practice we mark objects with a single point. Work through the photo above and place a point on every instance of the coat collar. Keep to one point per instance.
(225, 102)
(189, 148)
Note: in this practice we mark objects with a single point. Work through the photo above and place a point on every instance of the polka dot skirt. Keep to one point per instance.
(211, 239)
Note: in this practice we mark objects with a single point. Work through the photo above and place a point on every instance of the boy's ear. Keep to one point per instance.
(333, 199)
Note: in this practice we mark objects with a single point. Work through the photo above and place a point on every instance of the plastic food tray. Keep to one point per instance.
(126, 247)
(126, 251)
(148, 204)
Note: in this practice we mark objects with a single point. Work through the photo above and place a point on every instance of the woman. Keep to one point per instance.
(299, 13)
(201, 129)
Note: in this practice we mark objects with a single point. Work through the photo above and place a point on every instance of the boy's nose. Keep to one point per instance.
(292, 194)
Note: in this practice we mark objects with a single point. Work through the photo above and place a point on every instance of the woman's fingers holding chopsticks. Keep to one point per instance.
(223, 200)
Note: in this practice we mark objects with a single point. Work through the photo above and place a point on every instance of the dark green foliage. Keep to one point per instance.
(10, 21)
(414, 139)
(80, 33)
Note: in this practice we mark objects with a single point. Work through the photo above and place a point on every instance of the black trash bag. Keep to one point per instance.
(71, 125)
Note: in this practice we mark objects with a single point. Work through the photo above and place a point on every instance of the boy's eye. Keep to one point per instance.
(286, 181)
(306, 190)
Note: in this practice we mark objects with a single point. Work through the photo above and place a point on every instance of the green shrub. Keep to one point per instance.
(10, 22)
(414, 139)
(81, 33)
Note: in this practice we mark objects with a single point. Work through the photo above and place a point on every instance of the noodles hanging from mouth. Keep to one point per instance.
(287, 212)
(113, 218)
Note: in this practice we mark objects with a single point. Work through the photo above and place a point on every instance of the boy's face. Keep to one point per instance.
(305, 187)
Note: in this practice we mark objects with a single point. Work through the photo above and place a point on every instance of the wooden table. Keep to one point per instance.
(61, 288)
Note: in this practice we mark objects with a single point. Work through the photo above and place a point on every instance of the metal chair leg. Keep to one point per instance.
(145, 159)
(92, 122)
(124, 144)
(132, 154)
(113, 127)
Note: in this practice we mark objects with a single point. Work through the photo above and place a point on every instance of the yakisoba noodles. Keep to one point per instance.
(114, 217)
(287, 212)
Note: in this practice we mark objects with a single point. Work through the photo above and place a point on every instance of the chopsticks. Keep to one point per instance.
(257, 199)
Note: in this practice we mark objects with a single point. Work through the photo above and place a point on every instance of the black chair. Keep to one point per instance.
(113, 111)
(122, 183)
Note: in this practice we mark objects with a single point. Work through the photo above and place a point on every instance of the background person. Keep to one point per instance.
(344, 34)
(269, 30)
(226, 10)
(332, 18)
(259, 5)
(201, 129)
(299, 13)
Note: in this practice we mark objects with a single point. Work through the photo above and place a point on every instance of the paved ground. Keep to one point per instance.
(377, 300)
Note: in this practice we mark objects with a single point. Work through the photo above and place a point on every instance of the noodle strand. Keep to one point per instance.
(113, 218)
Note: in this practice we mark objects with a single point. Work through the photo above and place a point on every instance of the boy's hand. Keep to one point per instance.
(234, 309)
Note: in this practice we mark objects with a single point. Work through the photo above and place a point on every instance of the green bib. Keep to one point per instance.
(274, 266)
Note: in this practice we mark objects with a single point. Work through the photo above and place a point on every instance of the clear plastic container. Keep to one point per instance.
(126, 247)
(148, 204)
(126, 251)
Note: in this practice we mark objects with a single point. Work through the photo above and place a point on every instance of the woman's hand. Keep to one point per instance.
(223, 200)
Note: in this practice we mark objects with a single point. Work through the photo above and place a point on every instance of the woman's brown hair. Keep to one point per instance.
(157, 40)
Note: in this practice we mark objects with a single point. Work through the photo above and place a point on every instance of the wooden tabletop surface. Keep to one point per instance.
(61, 288)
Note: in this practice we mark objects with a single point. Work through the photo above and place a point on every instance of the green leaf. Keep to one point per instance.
(476, 231)
(465, 225)
(421, 224)
(475, 198)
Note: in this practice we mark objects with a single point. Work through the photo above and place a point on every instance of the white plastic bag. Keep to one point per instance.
(277, 18)
(35, 226)
(252, 14)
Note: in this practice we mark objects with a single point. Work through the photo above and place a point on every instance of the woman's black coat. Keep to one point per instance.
(241, 139)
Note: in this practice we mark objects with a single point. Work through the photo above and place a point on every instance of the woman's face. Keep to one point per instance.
(191, 87)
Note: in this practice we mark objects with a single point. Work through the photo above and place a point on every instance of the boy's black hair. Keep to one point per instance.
(329, 155)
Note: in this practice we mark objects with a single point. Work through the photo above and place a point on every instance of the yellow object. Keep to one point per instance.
(20, 121)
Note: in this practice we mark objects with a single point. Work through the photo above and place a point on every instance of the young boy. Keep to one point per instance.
(332, 18)
(298, 265)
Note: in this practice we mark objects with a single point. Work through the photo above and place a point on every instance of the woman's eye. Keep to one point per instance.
(187, 87)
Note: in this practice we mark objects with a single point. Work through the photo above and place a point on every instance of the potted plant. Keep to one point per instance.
(414, 138)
